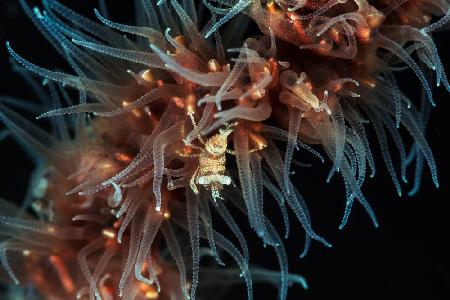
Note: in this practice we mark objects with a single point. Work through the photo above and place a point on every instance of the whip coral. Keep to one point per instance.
(185, 116)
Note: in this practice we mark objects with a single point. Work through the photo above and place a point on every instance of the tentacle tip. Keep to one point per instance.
(412, 193)
(10, 49)
(304, 253)
(342, 226)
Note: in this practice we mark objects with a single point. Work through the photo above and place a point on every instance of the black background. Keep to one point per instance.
(407, 257)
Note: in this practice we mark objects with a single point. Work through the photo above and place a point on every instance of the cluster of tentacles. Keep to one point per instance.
(178, 119)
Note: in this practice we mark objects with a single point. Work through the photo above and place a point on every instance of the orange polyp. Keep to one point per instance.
(147, 75)
(122, 157)
(105, 166)
(181, 40)
(117, 224)
(274, 71)
(178, 102)
(51, 229)
(244, 101)
(369, 82)
(337, 87)
(109, 233)
(364, 34)
(426, 18)
(63, 273)
(271, 7)
(258, 94)
(335, 34)
(292, 16)
(213, 65)
(143, 286)
(149, 291)
(259, 141)
(298, 27)
(135, 112)
(153, 294)
(374, 20)
(187, 150)
(190, 102)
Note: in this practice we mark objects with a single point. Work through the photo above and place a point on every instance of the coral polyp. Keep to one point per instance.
(185, 116)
